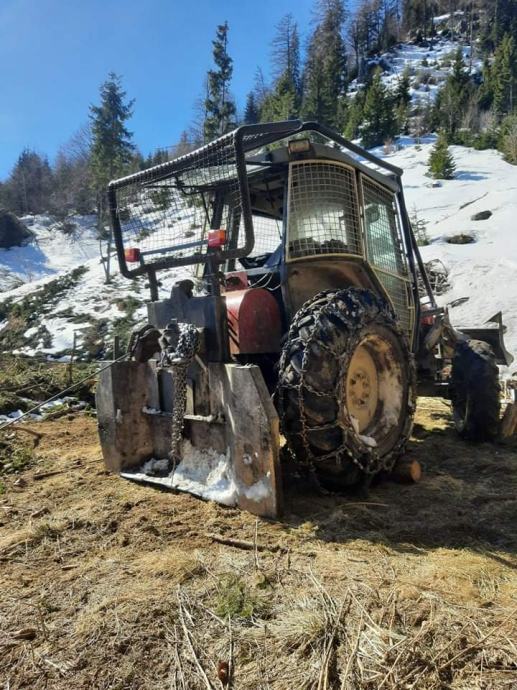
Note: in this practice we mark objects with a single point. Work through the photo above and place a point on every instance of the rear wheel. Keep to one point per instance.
(346, 392)
(474, 391)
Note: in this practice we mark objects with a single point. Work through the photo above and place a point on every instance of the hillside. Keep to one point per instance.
(482, 271)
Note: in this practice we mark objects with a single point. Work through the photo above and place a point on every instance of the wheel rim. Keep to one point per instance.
(362, 388)
(373, 390)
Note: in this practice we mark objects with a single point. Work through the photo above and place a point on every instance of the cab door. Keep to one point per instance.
(385, 250)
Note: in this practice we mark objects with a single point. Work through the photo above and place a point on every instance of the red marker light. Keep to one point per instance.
(216, 239)
(132, 255)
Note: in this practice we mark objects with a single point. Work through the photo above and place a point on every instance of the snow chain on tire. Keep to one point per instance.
(326, 329)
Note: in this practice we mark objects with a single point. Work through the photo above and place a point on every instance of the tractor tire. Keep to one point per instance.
(346, 387)
(475, 391)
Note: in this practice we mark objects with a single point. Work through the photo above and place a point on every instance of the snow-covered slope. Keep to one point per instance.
(51, 251)
(485, 272)
(427, 65)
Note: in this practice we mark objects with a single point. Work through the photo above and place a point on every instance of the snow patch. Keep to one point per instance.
(204, 473)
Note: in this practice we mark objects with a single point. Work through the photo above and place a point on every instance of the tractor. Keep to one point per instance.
(299, 326)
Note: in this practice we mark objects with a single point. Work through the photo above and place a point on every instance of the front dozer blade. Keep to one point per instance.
(492, 332)
(230, 455)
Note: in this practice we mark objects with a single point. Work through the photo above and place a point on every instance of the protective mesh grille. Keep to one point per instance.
(383, 246)
(268, 235)
(323, 213)
(384, 249)
(167, 210)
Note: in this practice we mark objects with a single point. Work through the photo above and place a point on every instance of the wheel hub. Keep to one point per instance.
(362, 388)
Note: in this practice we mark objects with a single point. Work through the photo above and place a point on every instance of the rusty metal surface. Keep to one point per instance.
(254, 321)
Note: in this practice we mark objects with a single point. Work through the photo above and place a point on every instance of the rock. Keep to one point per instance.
(13, 233)
(481, 215)
(460, 239)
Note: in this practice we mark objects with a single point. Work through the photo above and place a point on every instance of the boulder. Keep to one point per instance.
(481, 215)
(13, 233)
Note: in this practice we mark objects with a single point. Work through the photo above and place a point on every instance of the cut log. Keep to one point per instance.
(407, 471)
(509, 423)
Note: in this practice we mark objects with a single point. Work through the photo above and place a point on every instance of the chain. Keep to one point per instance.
(178, 356)
(331, 307)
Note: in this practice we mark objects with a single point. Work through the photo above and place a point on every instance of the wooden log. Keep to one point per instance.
(407, 471)
(509, 423)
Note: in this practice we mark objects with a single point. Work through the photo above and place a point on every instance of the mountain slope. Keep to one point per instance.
(483, 271)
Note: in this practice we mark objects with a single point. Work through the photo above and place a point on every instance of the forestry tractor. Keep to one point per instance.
(299, 322)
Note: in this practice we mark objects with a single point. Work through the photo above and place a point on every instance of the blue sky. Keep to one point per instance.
(55, 53)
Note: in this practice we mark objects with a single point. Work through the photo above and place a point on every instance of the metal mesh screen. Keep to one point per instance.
(323, 210)
(384, 249)
(268, 235)
(165, 212)
(383, 246)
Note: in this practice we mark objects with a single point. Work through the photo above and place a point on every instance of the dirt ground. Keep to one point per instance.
(106, 584)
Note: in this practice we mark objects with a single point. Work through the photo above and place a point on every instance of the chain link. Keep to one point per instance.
(330, 305)
(178, 357)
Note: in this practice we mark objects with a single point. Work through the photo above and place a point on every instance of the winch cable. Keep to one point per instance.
(58, 395)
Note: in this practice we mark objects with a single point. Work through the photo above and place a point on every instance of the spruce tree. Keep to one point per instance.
(508, 143)
(220, 111)
(29, 186)
(402, 100)
(379, 120)
(251, 111)
(504, 76)
(325, 74)
(452, 99)
(112, 149)
(355, 115)
(112, 152)
(441, 163)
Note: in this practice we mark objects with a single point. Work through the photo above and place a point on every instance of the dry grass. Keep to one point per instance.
(109, 585)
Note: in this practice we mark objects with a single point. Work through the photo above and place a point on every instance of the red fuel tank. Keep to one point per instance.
(254, 321)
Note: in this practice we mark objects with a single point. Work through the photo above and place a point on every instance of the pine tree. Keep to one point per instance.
(508, 143)
(402, 99)
(325, 74)
(29, 186)
(452, 99)
(220, 108)
(504, 76)
(251, 111)
(281, 103)
(112, 149)
(379, 121)
(441, 163)
(112, 152)
(355, 115)
(402, 91)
